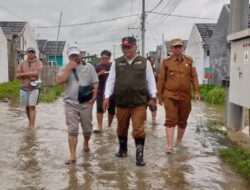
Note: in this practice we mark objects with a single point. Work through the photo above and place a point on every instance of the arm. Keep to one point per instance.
(110, 84)
(161, 81)
(151, 80)
(109, 88)
(151, 85)
(32, 74)
(195, 83)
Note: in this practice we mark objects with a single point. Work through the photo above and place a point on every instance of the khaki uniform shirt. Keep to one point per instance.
(175, 78)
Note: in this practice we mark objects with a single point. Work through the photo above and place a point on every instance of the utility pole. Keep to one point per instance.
(57, 37)
(239, 10)
(114, 52)
(143, 29)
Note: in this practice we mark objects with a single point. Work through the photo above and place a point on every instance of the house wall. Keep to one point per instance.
(59, 59)
(196, 51)
(22, 42)
(28, 39)
(65, 56)
(4, 73)
(220, 50)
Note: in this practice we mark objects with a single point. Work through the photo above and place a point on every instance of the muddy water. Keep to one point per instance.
(35, 159)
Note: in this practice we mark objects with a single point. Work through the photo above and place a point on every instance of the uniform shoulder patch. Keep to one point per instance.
(189, 58)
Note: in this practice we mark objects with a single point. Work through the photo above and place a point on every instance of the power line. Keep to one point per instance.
(183, 16)
(88, 23)
(155, 7)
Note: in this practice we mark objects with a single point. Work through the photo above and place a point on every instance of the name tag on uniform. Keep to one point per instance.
(138, 62)
(122, 64)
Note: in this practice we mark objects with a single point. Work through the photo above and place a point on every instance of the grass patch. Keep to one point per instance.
(238, 157)
(50, 93)
(212, 94)
(216, 96)
(11, 91)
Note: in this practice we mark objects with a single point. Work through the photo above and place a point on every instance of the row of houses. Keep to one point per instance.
(15, 38)
(208, 46)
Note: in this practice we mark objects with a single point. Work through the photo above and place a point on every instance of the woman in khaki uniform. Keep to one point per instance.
(176, 76)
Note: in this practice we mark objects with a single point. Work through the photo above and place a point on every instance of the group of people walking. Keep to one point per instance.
(125, 89)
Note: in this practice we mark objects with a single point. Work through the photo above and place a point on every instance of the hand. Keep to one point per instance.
(197, 96)
(71, 65)
(105, 104)
(102, 72)
(153, 103)
(92, 101)
(160, 101)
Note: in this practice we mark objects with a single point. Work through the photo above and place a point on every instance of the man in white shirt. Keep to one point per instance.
(132, 81)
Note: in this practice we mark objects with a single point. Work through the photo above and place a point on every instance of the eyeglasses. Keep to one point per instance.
(177, 47)
(127, 47)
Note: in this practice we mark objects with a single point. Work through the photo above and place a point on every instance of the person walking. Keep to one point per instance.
(81, 82)
(177, 74)
(132, 81)
(28, 72)
(103, 70)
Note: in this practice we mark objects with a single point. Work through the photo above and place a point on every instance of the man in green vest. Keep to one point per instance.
(131, 80)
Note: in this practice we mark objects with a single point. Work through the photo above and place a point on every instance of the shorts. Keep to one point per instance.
(111, 109)
(76, 116)
(29, 97)
(177, 112)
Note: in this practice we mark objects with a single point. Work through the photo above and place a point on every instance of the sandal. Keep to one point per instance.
(67, 162)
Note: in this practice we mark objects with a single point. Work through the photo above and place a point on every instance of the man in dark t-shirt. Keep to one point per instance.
(102, 70)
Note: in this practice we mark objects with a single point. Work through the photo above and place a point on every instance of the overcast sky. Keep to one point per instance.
(97, 37)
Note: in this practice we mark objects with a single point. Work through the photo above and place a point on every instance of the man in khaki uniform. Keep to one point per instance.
(176, 76)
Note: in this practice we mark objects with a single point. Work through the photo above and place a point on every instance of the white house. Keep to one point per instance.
(19, 36)
(4, 74)
(198, 47)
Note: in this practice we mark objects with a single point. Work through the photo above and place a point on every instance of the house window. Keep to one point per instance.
(208, 53)
(52, 63)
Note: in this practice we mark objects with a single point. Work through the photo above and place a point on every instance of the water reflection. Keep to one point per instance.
(28, 165)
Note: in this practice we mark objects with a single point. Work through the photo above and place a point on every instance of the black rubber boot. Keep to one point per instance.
(123, 147)
(139, 143)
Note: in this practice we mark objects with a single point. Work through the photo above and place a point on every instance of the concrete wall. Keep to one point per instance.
(196, 51)
(220, 50)
(4, 73)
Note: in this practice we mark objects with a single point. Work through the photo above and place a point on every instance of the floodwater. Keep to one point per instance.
(33, 160)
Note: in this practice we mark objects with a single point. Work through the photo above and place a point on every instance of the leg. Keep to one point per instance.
(99, 120)
(183, 114)
(171, 111)
(123, 117)
(72, 120)
(72, 147)
(33, 97)
(154, 113)
(138, 118)
(32, 116)
(28, 113)
(110, 119)
(100, 112)
(87, 126)
(24, 99)
(111, 112)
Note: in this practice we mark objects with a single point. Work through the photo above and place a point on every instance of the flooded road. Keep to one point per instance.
(33, 160)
